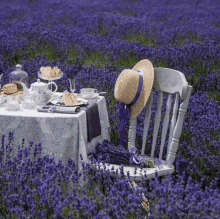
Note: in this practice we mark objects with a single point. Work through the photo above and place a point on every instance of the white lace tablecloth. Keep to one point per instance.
(63, 136)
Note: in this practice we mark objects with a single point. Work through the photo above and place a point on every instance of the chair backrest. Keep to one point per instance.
(172, 82)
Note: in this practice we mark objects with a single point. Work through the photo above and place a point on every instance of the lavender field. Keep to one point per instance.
(95, 40)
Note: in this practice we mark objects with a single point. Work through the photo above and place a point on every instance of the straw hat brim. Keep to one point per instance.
(148, 78)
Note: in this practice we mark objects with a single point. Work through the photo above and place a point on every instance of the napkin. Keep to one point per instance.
(60, 109)
(93, 121)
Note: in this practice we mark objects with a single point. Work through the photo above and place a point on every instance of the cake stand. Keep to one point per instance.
(50, 79)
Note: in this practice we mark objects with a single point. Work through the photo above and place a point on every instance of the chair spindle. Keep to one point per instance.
(165, 125)
(157, 122)
(173, 121)
(147, 122)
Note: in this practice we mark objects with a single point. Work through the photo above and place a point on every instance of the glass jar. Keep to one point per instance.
(19, 76)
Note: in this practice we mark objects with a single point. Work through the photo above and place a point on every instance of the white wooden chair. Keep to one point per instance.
(172, 82)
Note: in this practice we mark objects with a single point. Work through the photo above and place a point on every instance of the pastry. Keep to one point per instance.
(69, 99)
(57, 71)
(42, 69)
(74, 99)
(53, 73)
(10, 88)
(47, 72)
(48, 68)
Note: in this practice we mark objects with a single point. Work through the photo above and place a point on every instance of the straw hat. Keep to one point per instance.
(126, 86)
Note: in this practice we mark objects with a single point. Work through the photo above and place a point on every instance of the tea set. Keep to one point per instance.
(39, 95)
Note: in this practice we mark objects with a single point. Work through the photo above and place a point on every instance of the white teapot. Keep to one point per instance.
(39, 91)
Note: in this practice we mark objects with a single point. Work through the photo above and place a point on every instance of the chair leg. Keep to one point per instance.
(144, 201)
(132, 133)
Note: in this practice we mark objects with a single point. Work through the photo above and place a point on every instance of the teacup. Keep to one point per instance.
(87, 92)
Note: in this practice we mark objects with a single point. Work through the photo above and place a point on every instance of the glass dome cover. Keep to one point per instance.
(19, 75)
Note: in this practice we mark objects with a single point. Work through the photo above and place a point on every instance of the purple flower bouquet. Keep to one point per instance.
(111, 154)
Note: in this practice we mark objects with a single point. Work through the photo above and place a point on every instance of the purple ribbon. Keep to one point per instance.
(124, 109)
(135, 157)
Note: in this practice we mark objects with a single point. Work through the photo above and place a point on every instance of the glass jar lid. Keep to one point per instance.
(19, 72)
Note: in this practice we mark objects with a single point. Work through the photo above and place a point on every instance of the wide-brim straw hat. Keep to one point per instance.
(126, 86)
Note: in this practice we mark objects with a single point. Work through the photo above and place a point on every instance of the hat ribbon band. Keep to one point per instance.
(140, 85)
(124, 109)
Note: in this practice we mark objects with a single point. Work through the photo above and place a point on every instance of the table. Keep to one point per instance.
(63, 136)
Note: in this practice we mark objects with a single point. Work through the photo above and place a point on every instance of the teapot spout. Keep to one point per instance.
(25, 89)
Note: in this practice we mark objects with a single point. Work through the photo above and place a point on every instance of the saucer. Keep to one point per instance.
(90, 96)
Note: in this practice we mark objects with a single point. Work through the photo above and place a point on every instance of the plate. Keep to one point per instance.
(81, 102)
(78, 104)
(50, 79)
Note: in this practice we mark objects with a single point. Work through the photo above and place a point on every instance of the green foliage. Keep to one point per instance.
(66, 210)
(96, 59)
(184, 39)
(42, 48)
(128, 62)
(213, 95)
(160, 63)
(200, 68)
(102, 31)
(72, 54)
(141, 38)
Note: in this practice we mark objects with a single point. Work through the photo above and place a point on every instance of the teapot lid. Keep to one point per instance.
(38, 83)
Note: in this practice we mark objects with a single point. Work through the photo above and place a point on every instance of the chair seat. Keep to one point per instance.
(150, 172)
